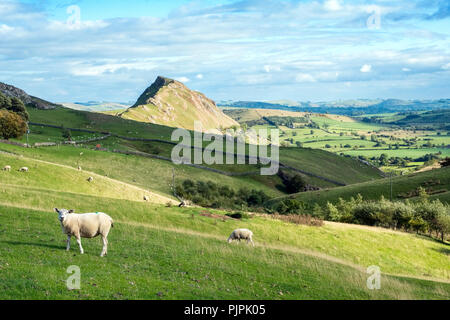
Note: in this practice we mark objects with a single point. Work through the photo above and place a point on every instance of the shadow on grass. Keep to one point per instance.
(445, 251)
(18, 243)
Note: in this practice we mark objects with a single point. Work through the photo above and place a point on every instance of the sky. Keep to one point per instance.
(301, 50)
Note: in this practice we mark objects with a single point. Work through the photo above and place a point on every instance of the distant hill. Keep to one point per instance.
(30, 101)
(171, 103)
(97, 106)
(418, 119)
(345, 107)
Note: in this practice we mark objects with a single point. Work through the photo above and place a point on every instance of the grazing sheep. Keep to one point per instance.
(90, 179)
(7, 168)
(146, 198)
(85, 225)
(79, 168)
(23, 169)
(239, 234)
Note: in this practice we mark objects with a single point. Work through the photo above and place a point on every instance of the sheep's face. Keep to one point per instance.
(62, 213)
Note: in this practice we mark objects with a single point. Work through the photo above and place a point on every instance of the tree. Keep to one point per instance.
(5, 102)
(294, 184)
(66, 133)
(443, 224)
(18, 107)
(11, 125)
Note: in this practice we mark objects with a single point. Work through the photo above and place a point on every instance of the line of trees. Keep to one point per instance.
(13, 117)
(213, 195)
(420, 216)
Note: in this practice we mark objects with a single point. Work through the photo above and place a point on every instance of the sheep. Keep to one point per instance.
(239, 234)
(7, 168)
(90, 179)
(79, 168)
(23, 169)
(146, 198)
(86, 225)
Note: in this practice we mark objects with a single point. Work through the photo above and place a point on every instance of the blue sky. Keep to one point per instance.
(309, 50)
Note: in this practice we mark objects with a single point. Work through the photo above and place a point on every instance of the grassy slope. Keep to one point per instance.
(151, 174)
(314, 161)
(327, 164)
(159, 252)
(44, 175)
(438, 179)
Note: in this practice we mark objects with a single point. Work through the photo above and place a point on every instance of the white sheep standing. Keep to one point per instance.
(23, 169)
(7, 168)
(239, 234)
(146, 198)
(79, 168)
(90, 179)
(86, 225)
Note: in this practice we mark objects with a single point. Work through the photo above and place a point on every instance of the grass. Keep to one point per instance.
(135, 170)
(154, 264)
(159, 252)
(434, 181)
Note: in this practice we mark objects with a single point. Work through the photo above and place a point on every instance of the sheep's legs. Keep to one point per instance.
(68, 243)
(105, 247)
(79, 243)
(251, 241)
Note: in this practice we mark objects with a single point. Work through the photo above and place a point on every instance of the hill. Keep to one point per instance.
(346, 107)
(97, 106)
(161, 252)
(436, 182)
(171, 103)
(11, 91)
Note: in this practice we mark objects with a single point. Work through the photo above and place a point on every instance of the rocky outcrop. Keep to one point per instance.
(11, 91)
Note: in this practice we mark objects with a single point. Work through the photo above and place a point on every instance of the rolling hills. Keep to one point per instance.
(161, 252)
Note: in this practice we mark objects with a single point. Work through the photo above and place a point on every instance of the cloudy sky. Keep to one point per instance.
(316, 50)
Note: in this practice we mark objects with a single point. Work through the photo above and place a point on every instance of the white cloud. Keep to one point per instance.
(240, 46)
(85, 69)
(4, 28)
(406, 69)
(183, 79)
(268, 68)
(366, 68)
(332, 5)
(304, 77)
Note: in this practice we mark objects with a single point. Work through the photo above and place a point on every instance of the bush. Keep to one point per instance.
(239, 215)
(289, 206)
(11, 125)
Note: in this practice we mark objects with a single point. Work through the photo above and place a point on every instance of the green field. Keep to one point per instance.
(158, 252)
(357, 138)
(437, 183)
